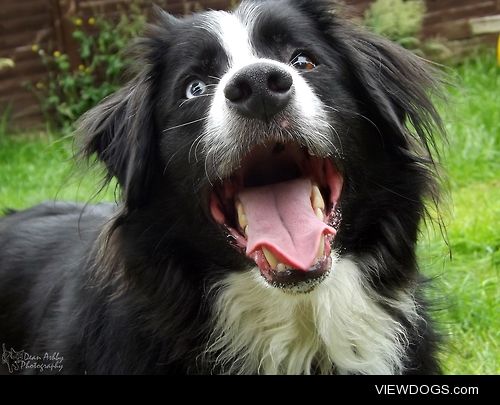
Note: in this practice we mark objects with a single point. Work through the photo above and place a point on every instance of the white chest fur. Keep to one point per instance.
(339, 327)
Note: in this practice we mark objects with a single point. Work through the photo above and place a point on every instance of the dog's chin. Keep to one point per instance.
(280, 208)
(294, 281)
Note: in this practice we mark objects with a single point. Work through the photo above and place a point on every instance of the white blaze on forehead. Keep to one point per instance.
(233, 34)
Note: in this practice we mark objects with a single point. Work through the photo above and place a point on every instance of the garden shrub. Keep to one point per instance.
(69, 91)
(401, 21)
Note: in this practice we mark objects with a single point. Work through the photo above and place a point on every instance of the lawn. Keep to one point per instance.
(467, 287)
(466, 290)
(40, 166)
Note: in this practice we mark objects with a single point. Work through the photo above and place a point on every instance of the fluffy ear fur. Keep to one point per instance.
(400, 85)
(121, 130)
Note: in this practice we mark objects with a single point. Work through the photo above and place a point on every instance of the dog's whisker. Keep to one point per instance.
(348, 111)
(185, 124)
(195, 144)
(194, 99)
(337, 135)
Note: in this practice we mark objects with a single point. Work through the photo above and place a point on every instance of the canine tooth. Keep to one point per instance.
(319, 214)
(317, 198)
(321, 250)
(280, 268)
(242, 218)
(271, 259)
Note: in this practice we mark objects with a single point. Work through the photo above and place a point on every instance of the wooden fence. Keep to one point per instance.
(48, 23)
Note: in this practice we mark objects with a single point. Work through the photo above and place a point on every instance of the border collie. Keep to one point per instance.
(274, 164)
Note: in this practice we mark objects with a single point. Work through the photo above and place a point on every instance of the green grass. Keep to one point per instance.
(40, 167)
(469, 282)
(466, 288)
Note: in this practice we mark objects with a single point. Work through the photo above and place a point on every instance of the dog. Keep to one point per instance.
(274, 165)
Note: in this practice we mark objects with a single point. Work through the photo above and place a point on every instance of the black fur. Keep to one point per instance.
(122, 289)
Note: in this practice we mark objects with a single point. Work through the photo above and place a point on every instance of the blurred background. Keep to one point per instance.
(58, 58)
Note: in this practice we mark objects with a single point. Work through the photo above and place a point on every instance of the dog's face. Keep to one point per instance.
(274, 136)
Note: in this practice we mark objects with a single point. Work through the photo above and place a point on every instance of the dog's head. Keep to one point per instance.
(278, 136)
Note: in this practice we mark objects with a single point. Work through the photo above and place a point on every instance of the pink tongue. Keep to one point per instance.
(281, 218)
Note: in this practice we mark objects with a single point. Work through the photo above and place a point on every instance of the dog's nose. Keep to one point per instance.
(260, 90)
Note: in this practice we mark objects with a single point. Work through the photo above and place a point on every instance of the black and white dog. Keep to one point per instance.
(274, 164)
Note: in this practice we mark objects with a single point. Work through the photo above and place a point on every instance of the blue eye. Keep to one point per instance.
(195, 89)
(302, 61)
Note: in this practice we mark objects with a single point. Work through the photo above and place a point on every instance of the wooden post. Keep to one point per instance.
(487, 25)
(63, 14)
(498, 50)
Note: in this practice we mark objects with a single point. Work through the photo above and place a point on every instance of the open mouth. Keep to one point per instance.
(281, 208)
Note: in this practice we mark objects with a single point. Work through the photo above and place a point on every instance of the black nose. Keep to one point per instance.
(260, 90)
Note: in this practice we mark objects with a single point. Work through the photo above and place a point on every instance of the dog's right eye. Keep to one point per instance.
(196, 88)
(303, 61)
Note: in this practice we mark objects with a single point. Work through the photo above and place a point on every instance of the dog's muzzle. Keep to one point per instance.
(275, 185)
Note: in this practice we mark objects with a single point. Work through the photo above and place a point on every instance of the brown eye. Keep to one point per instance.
(302, 61)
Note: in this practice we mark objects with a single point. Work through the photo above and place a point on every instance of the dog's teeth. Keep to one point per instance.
(317, 198)
(271, 259)
(280, 268)
(242, 218)
(246, 231)
(321, 250)
(319, 214)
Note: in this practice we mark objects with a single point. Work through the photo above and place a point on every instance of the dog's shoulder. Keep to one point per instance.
(54, 223)
(52, 209)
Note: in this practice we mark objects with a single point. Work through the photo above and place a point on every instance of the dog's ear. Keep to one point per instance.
(396, 83)
(121, 130)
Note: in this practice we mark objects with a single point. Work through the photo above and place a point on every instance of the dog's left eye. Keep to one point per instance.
(302, 61)
(196, 88)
